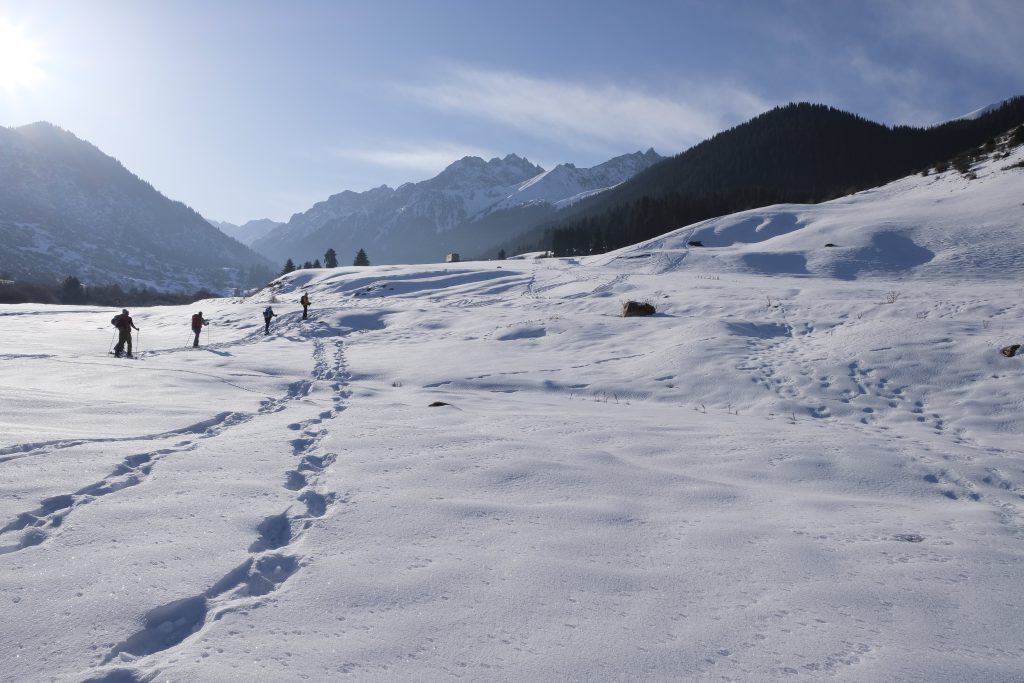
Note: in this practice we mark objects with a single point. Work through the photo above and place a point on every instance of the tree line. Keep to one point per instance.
(799, 153)
(72, 291)
(330, 261)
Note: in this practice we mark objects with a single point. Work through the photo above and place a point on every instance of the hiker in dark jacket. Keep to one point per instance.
(268, 313)
(124, 325)
(305, 304)
(198, 321)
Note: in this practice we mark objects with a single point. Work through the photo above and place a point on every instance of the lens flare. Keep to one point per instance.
(20, 58)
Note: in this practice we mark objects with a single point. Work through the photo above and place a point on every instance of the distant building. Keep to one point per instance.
(452, 258)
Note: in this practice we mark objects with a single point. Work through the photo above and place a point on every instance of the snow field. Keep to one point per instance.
(779, 476)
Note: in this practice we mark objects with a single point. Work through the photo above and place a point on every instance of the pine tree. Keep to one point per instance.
(307, 265)
(501, 254)
(331, 259)
(71, 291)
(361, 259)
(289, 266)
(316, 264)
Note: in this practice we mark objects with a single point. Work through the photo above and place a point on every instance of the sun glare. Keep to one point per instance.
(19, 58)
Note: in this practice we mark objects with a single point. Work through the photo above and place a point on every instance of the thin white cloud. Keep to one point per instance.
(427, 159)
(874, 73)
(587, 115)
(985, 32)
(903, 87)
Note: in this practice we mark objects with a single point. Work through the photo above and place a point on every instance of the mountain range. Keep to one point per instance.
(471, 204)
(68, 209)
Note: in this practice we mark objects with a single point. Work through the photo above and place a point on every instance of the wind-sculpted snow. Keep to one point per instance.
(484, 472)
(941, 225)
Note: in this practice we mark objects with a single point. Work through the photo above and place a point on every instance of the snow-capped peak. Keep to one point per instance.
(468, 190)
(566, 184)
(509, 170)
(977, 113)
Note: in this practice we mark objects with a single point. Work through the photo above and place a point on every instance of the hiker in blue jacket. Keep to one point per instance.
(268, 313)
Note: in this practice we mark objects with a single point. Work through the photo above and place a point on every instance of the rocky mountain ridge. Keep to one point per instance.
(470, 203)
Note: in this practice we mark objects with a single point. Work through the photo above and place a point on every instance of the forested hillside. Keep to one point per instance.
(799, 153)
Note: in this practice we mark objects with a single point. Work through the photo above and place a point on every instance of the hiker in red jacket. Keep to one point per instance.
(197, 326)
(124, 325)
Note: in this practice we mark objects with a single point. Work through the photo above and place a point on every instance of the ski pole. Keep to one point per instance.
(112, 338)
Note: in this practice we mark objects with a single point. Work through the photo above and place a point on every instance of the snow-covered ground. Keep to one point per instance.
(807, 465)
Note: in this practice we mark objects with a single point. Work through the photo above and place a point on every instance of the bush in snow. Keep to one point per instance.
(962, 164)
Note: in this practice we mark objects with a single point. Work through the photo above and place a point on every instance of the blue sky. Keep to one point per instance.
(252, 109)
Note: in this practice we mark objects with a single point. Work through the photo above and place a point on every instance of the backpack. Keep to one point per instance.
(197, 320)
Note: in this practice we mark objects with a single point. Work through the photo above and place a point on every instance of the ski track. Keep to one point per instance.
(45, 521)
(46, 447)
(269, 405)
(273, 557)
(560, 279)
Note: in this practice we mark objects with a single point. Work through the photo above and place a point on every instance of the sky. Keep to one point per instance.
(255, 109)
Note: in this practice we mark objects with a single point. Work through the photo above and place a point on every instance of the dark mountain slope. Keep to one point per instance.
(68, 209)
(802, 153)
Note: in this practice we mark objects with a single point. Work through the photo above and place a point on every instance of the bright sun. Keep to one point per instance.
(19, 58)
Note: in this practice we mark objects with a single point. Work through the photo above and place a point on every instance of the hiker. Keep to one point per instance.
(305, 304)
(268, 313)
(124, 325)
(198, 321)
